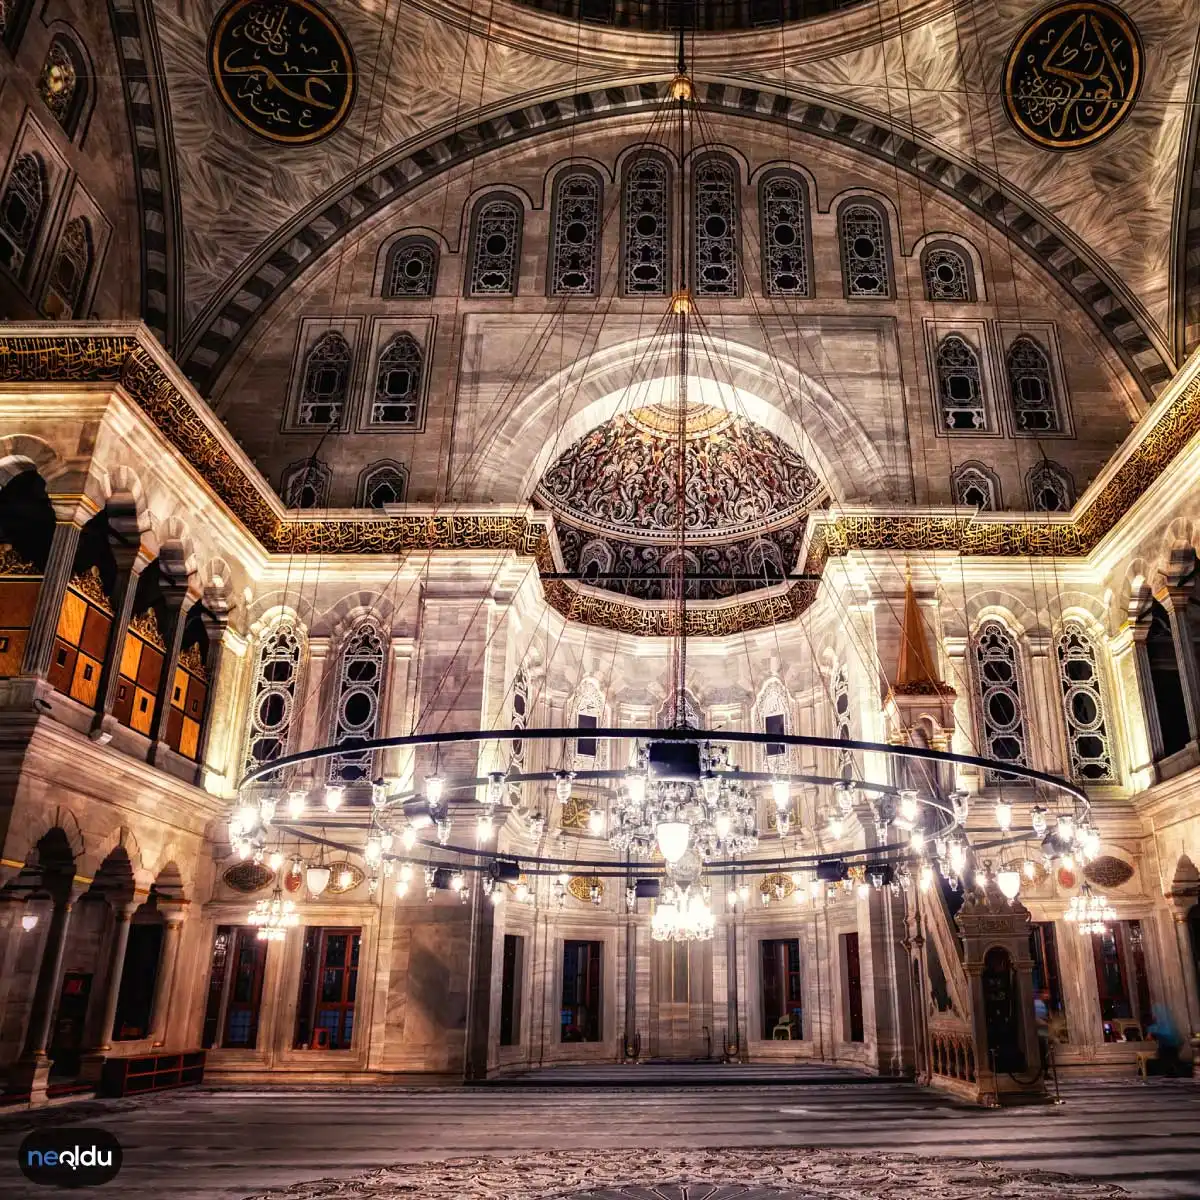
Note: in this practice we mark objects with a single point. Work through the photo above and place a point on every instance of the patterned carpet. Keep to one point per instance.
(700, 1175)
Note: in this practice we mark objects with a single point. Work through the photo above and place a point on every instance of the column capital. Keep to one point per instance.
(73, 508)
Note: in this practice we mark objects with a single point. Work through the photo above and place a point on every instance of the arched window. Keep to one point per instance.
(646, 224)
(947, 273)
(382, 483)
(326, 381)
(715, 267)
(862, 231)
(587, 712)
(1001, 709)
(575, 260)
(774, 711)
(1031, 388)
(72, 268)
(273, 693)
(398, 383)
(410, 270)
(495, 248)
(1050, 488)
(356, 707)
(960, 384)
(783, 205)
(1165, 681)
(976, 487)
(840, 696)
(1088, 742)
(306, 484)
(21, 209)
(63, 83)
(595, 559)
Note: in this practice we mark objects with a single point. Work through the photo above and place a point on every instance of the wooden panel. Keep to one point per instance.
(150, 668)
(12, 651)
(62, 666)
(179, 688)
(142, 717)
(131, 656)
(196, 696)
(189, 741)
(174, 726)
(18, 599)
(85, 682)
(70, 620)
(123, 701)
(96, 628)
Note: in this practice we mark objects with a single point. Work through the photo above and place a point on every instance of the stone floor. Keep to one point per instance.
(760, 1140)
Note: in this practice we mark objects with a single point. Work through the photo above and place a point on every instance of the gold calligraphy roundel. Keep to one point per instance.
(1073, 74)
(283, 68)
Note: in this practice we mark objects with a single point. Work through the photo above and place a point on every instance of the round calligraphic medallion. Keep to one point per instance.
(1073, 74)
(283, 68)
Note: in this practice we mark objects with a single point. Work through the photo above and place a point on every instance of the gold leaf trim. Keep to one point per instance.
(13, 565)
(89, 585)
(580, 886)
(145, 625)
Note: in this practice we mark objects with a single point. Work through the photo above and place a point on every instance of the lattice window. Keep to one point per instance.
(1088, 742)
(691, 712)
(496, 249)
(840, 696)
(21, 210)
(62, 82)
(1050, 488)
(398, 383)
(785, 236)
(646, 224)
(356, 708)
(1031, 388)
(273, 693)
(306, 484)
(976, 487)
(1002, 710)
(411, 270)
(587, 712)
(960, 384)
(947, 274)
(326, 381)
(715, 229)
(576, 260)
(774, 711)
(864, 251)
(72, 267)
(520, 719)
(383, 483)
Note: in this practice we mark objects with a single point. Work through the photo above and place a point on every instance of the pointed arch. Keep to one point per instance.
(356, 703)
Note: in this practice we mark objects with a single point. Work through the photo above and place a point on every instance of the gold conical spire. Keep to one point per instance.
(916, 669)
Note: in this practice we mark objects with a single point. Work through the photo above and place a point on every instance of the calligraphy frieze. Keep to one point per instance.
(1073, 74)
(282, 67)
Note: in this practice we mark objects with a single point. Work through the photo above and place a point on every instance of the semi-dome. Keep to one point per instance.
(699, 15)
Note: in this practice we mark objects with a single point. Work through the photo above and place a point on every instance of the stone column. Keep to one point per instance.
(1135, 691)
(131, 562)
(179, 604)
(1048, 752)
(733, 1041)
(70, 517)
(160, 1010)
(122, 914)
(1175, 601)
(479, 977)
(630, 1037)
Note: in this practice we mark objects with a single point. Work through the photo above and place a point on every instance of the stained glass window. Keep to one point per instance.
(1031, 388)
(575, 265)
(326, 381)
(398, 383)
(785, 236)
(61, 83)
(21, 210)
(356, 710)
(306, 484)
(411, 269)
(716, 269)
(960, 385)
(1050, 488)
(72, 266)
(272, 706)
(496, 248)
(976, 487)
(646, 214)
(864, 251)
(383, 483)
(947, 274)
(1088, 742)
(1001, 707)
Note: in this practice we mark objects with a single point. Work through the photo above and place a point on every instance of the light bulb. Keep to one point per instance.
(836, 827)
(744, 892)
(925, 879)
(1004, 815)
(29, 921)
(814, 888)
(596, 822)
(711, 785)
(495, 787)
(243, 850)
(958, 857)
(781, 793)
(266, 809)
(496, 895)
(484, 827)
(345, 879)
(1037, 817)
(401, 888)
(1068, 862)
(372, 851)
(334, 797)
(672, 838)
(406, 871)
(522, 891)
(562, 785)
(798, 896)
(917, 841)
(408, 839)
(1066, 827)
(1009, 882)
(732, 898)
(635, 781)
(723, 825)
(386, 837)
(296, 805)
(909, 805)
(457, 881)
(444, 829)
(276, 860)
(765, 898)
(783, 823)
(244, 819)
(564, 878)
(1030, 868)
(379, 793)
(317, 879)
(435, 786)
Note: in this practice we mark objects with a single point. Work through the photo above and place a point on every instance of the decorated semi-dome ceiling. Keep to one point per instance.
(614, 495)
(695, 14)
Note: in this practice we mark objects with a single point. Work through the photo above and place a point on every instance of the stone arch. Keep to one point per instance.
(168, 882)
(128, 513)
(22, 452)
(116, 878)
(176, 552)
(1006, 607)
(264, 611)
(122, 839)
(223, 325)
(340, 618)
(955, 241)
(28, 844)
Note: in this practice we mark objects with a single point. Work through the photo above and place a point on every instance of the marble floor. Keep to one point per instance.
(763, 1138)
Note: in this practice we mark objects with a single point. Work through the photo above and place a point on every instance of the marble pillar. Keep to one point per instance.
(160, 1011)
(69, 522)
(131, 562)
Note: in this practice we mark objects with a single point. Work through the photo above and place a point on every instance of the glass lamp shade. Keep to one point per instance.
(296, 805)
(596, 821)
(909, 806)
(334, 797)
(635, 781)
(435, 785)
(29, 922)
(562, 785)
(495, 787)
(781, 793)
(1004, 815)
(723, 825)
(1009, 882)
(673, 838)
(836, 827)
(317, 879)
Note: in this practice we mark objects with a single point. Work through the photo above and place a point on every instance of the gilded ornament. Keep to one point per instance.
(776, 887)
(575, 813)
(145, 625)
(344, 876)
(191, 661)
(1108, 872)
(581, 887)
(12, 565)
(89, 585)
(248, 877)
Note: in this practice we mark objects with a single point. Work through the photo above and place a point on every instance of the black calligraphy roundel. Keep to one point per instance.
(282, 67)
(1073, 74)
